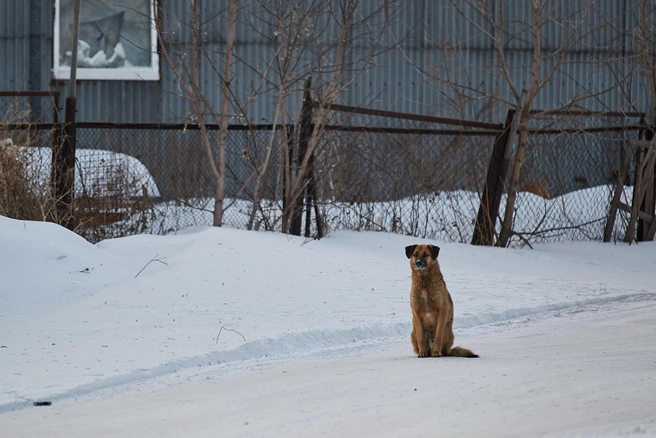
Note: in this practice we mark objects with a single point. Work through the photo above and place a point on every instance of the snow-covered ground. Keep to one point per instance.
(223, 332)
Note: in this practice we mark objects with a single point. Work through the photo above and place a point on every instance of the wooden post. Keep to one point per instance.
(643, 179)
(497, 171)
(287, 167)
(496, 176)
(55, 107)
(317, 215)
(311, 202)
(309, 192)
(625, 159)
(644, 231)
(63, 156)
(304, 136)
(506, 226)
(651, 232)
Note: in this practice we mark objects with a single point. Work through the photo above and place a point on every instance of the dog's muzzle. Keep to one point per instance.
(420, 264)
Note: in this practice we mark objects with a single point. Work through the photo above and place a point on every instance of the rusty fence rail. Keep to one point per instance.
(371, 170)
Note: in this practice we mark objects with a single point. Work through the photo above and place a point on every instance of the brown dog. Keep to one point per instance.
(432, 307)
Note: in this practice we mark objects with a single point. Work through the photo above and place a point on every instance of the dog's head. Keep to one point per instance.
(421, 256)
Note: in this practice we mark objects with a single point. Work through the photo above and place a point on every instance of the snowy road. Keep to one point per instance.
(582, 371)
(126, 338)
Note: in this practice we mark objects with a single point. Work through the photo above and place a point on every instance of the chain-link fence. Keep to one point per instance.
(411, 181)
(372, 170)
(568, 176)
(165, 175)
(418, 175)
(426, 179)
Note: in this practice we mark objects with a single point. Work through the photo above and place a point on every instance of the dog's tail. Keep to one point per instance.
(461, 352)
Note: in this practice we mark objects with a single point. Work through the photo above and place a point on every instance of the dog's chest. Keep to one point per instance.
(422, 299)
(426, 307)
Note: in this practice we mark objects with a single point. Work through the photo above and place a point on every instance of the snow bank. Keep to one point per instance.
(78, 318)
(98, 173)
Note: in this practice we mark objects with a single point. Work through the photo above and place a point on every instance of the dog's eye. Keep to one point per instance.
(416, 255)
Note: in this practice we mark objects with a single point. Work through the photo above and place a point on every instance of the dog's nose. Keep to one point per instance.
(420, 263)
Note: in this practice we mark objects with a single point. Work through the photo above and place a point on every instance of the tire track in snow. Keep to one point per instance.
(309, 343)
(470, 321)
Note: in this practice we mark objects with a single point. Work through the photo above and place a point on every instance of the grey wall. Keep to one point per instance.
(440, 44)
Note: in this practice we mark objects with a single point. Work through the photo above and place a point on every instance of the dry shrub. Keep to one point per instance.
(21, 195)
(17, 199)
(112, 196)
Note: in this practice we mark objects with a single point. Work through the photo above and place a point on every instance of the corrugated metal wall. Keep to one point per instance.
(443, 46)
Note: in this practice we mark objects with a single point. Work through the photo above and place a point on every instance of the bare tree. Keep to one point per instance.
(306, 38)
(353, 25)
(646, 42)
(291, 30)
(551, 32)
(347, 11)
(224, 121)
(188, 75)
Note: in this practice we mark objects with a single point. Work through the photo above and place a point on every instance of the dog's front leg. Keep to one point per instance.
(438, 343)
(420, 336)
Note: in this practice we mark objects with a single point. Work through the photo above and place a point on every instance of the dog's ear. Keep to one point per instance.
(435, 250)
(409, 249)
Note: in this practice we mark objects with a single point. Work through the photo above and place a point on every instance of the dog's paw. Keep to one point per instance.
(422, 354)
(437, 354)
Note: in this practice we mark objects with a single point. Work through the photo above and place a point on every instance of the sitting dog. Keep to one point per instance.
(432, 307)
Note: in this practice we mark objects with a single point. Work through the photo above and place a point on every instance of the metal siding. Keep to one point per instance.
(14, 45)
(14, 16)
(116, 101)
(405, 79)
(174, 108)
(15, 30)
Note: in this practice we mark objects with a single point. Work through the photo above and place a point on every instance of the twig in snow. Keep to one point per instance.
(154, 259)
(307, 240)
(230, 330)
